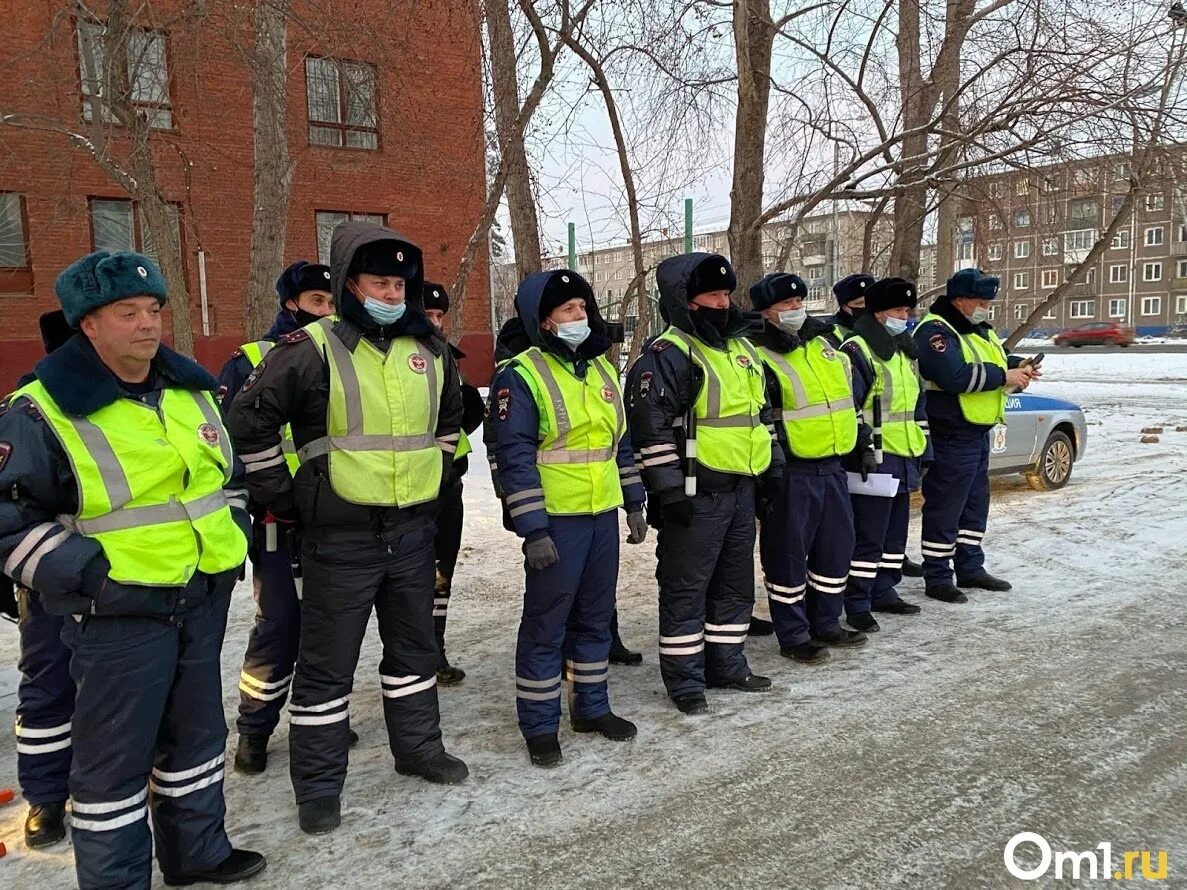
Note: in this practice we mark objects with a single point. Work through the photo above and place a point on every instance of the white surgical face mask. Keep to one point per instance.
(574, 333)
(383, 313)
(980, 315)
(895, 325)
(791, 320)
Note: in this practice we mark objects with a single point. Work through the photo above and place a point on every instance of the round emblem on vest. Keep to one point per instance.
(744, 361)
(608, 393)
(417, 363)
(828, 352)
(208, 433)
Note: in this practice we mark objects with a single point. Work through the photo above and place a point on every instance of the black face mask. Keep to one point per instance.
(718, 319)
(304, 318)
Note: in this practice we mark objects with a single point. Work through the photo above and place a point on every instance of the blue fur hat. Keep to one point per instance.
(300, 277)
(775, 288)
(973, 283)
(103, 277)
(853, 287)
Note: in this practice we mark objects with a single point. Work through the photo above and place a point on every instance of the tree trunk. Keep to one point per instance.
(521, 204)
(273, 175)
(753, 38)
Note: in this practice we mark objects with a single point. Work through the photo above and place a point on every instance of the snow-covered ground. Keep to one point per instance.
(1057, 708)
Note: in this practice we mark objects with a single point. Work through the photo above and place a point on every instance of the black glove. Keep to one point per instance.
(869, 464)
(678, 511)
(770, 493)
(541, 553)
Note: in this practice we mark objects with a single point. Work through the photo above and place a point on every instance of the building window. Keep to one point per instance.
(1081, 239)
(1151, 305)
(1182, 234)
(996, 190)
(1020, 311)
(1181, 305)
(1115, 204)
(1152, 272)
(1021, 217)
(964, 250)
(1084, 208)
(1084, 177)
(1050, 247)
(1117, 308)
(147, 75)
(1083, 308)
(1021, 280)
(995, 221)
(1155, 202)
(1090, 276)
(1154, 236)
(1118, 274)
(341, 103)
(1051, 314)
(1121, 171)
(15, 274)
(1120, 240)
(1182, 273)
(1021, 250)
(326, 220)
(992, 312)
(1023, 186)
(995, 251)
(1052, 214)
(116, 224)
(1050, 278)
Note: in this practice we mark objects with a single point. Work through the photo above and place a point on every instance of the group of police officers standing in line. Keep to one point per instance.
(129, 501)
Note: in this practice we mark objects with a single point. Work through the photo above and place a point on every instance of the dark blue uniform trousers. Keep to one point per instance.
(805, 547)
(150, 736)
(345, 576)
(566, 624)
(706, 591)
(45, 705)
(271, 653)
(447, 543)
(880, 547)
(955, 508)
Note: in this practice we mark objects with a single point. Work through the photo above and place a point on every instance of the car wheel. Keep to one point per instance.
(1123, 345)
(1054, 466)
(1077, 345)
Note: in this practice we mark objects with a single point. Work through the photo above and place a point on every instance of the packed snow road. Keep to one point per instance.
(1057, 708)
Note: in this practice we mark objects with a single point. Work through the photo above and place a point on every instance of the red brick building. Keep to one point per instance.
(384, 120)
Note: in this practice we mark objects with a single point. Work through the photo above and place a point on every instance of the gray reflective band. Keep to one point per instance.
(556, 452)
(574, 457)
(712, 416)
(265, 347)
(288, 446)
(152, 514)
(339, 356)
(326, 444)
(619, 410)
(224, 441)
(524, 495)
(800, 394)
(119, 492)
(563, 425)
(738, 420)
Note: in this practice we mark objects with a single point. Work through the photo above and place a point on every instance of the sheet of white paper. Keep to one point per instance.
(879, 485)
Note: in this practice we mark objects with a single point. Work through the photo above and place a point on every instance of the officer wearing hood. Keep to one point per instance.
(303, 292)
(565, 466)
(374, 401)
(807, 528)
(888, 391)
(967, 372)
(701, 422)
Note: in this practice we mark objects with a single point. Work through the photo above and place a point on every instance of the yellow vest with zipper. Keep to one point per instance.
(986, 408)
(896, 385)
(815, 382)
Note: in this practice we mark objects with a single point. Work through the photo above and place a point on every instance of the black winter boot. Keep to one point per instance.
(619, 653)
(251, 755)
(985, 581)
(749, 683)
(320, 815)
(843, 639)
(810, 652)
(946, 593)
(545, 751)
(238, 866)
(692, 703)
(45, 825)
(864, 622)
(609, 725)
(760, 627)
(440, 769)
(898, 607)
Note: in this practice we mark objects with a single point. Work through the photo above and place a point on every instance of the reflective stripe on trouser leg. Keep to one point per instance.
(890, 566)
(587, 638)
(829, 554)
(267, 672)
(729, 601)
(686, 559)
(404, 609)
(970, 528)
(340, 583)
(45, 706)
(946, 489)
(548, 601)
(783, 550)
(871, 519)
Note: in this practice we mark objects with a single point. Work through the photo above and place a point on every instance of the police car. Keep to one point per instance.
(1041, 439)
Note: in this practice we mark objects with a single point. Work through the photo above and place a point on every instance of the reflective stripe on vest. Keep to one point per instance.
(984, 408)
(896, 386)
(816, 381)
(254, 353)
(150, 485)
(581, 423)
(731, 437)
(398, 393)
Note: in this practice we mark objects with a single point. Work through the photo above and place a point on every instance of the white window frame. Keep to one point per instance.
(1020, 311)
(1155, 203)
(1050, 247)
(1181, 269)
(1117, 307)
(1022, 280)
(1050, 279)
(995, 221)
(1155, 236)
(995, 251)
(1022, 187)
(1082, 309)
(1151, 306)
(1120, 240)
(1118, 273)
(1181, 304)
(1022, 249)
(1079, 239)
(1051, 314)
(1020, 217)
(1154, 266)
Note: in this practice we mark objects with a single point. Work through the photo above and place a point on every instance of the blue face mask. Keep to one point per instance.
(574, 333)
(895, 326)
(384, 313)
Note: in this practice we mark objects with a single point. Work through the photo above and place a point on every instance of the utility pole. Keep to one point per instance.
(688, 225)
(573, 246)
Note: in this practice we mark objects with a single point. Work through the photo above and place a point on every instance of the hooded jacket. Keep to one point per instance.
(663, 384)
(292, 385)
(516, 420)
(941, 361)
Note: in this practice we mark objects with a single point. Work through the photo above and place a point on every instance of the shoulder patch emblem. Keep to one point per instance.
(936, 341)
(417, 363)
(744, 361)
(253, 376)
(645, 383)
(5, 453)
(221, 395)
(209, 434)
(238, 353)
(660, 345)
(32, 410)
(503, 400)
(294, 337)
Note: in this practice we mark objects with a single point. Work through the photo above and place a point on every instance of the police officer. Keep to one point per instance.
(374, 402)
(124, 510)
(887, 388)
(967, 371)
(565, 466)
(806, 538)
(45, 696)
(850, 293)
(303, 290)
(450, 513)
(700, 419)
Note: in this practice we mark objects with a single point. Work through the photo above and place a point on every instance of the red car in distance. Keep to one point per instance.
(1096, 333)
